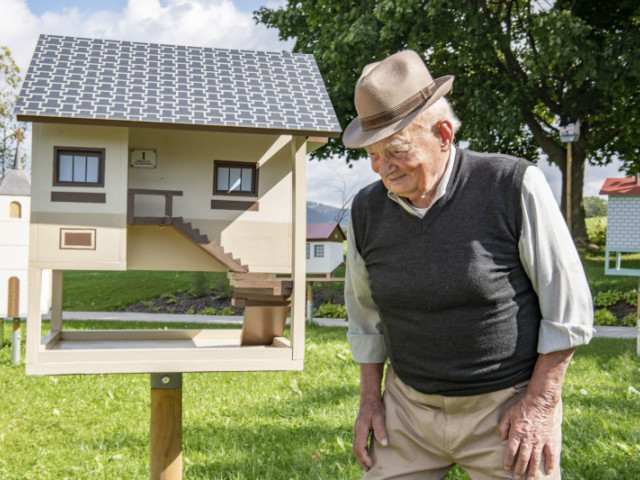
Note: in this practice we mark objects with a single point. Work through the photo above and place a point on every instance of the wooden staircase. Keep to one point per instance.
(210, 246)
(259, 289)
(266, 302)
(265, 298)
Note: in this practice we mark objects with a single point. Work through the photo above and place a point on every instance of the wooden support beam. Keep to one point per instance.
(298, 271)
(166, 426)
(56, 300)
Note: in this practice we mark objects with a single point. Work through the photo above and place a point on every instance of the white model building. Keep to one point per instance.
(325, 249)
(15, 200)
(623, 222)
(169, 157)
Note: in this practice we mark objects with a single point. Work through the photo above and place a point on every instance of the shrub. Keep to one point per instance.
(595, 207)
(604, 317)
(208, 311)
(200, 283)
(631, 297)
(331, 310)
(608, 298)
(630, 320)
(597, 230)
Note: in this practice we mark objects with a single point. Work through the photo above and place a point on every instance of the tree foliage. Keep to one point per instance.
(10, 130)
(595, 207)
(520, 67)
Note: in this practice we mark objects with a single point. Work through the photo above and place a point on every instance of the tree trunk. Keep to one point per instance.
(578, 162)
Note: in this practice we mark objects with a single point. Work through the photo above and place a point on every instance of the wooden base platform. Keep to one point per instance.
(148, 351)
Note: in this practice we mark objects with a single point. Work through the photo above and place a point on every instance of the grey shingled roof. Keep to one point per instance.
(89, 80)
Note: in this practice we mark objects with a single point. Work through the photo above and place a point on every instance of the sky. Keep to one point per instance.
(211, 23)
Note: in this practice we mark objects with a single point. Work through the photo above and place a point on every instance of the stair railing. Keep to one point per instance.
(168, 206)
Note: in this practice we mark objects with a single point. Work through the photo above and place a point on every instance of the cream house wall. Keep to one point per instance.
(185, 162)
(49, 217)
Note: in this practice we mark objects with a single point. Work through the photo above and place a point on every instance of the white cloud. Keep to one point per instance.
(594, 177)
(332, 181)
(210, 23)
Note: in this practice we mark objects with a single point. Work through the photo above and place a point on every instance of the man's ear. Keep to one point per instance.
(445, 130)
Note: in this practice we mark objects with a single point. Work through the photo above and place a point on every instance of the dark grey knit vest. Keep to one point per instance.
(458, 311)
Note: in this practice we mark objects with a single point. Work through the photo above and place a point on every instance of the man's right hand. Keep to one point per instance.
(369, 419)
(371, 415)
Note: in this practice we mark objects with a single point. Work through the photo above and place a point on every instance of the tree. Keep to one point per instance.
(520, 67)
(11, 132)
(595, 207)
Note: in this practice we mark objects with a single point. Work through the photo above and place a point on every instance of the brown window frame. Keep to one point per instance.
(254, 181)
(58, 151)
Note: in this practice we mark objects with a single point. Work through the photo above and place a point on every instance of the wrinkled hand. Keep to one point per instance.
(369, 419)
(528, 426)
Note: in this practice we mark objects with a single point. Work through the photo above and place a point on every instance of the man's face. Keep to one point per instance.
(410, 164)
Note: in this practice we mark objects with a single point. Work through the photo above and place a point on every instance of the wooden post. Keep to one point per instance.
(13, 310)
(569, 189)
(166, 426)
(638, 322)
(56, 300)
(16, 341)
(309, 303)
(298, 270)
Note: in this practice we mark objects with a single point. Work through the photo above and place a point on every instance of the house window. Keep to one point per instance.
(15, 210)
(318, 251)
(78, 167)
(308, 251)
(235, 178)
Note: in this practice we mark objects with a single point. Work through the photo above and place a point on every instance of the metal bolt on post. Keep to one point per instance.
(166, 426)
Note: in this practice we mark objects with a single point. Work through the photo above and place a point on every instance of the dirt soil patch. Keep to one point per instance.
(185, 303)
(621, 310)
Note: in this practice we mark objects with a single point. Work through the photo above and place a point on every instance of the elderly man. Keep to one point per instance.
(462, 273)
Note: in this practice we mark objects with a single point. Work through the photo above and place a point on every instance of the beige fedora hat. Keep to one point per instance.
(389, 95)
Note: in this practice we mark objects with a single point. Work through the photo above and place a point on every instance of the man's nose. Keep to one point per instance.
(386, 165)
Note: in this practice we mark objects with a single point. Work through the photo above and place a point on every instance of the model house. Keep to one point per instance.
(325, 247)
(164, 157)
(623, 222)
(15, 201)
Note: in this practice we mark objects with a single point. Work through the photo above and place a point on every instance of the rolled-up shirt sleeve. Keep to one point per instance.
(551, 260)
(365, 328)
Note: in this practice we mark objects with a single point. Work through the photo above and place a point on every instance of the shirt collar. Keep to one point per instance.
(440, 191)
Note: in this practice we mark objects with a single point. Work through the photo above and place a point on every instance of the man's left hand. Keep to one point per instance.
(528, 427)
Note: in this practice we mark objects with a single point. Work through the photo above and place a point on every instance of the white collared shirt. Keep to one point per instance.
(547, 253)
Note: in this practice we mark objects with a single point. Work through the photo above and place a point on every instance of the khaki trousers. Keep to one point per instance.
(428, 434)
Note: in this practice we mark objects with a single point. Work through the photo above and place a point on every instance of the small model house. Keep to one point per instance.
(15, 200)
(623, 222)
(325, 247)
(163, 157)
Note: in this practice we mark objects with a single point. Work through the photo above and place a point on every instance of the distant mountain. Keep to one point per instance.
(321, 213)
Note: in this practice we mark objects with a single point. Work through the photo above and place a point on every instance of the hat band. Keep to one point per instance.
(385, 118)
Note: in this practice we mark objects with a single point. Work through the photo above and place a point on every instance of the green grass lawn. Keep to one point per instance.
(98, 291)
(275, 425)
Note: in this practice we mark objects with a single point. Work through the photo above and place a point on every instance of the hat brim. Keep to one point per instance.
(355, 137)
